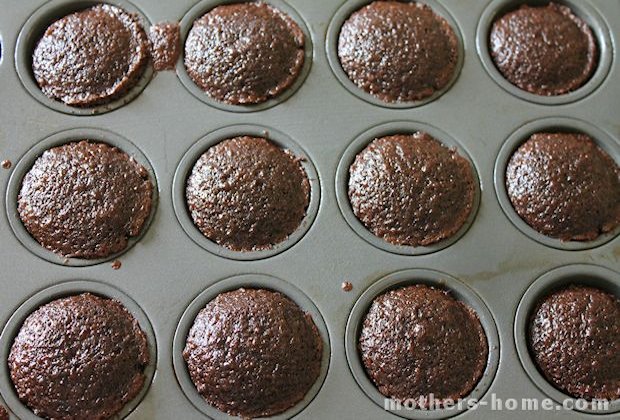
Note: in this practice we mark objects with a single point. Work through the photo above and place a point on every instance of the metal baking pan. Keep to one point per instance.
(496, 264)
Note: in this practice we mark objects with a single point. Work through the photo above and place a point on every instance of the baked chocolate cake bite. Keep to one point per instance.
(411, 190)
(85, 200)
(91, 57)
(545, 50)
(244, 53)
(80, 357)
(574, 338)
(417, 340)
(247, 194)
(565, 186)
(398, 51)
(272, 358)
(4, 415)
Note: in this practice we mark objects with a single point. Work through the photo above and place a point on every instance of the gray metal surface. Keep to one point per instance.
(166, 270)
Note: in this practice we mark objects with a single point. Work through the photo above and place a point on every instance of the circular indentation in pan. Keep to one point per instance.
(191, 157)
(25, 164)
(459, 291)
(582, 9)
(34, 28)
(557, 279)
(256, 281)
(204, 6)
(342, 185)
(553, 124)
(59, 291)
(331, 48)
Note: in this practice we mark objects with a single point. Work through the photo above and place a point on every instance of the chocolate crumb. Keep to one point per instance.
(116, 265)
(6, 164)
(165, 41)
(347, 286)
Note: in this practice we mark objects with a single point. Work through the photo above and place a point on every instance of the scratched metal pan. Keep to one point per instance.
(496, 264)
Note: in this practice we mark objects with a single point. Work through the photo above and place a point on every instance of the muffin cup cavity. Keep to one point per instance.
(461, 292)
(584, 10)
(342, 180)
(59, 291)
(191, 157)
(58, 139)
(36, 25)
(331, 48)
(204, 6)
(516, 139)
(552, 281)
(257, 281)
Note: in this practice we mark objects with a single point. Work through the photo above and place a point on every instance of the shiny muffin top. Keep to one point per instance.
(411, 190)
(544, 50)
(574, 337)
(79, 357)
(273, 353)
(244, 53)
(91, 57)
(247, 194)
(417, 340)
(398, 51)
(85, 199)
(565, 186)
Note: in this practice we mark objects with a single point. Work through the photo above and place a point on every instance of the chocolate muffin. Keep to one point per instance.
(79, 357)
(272, 358)
(247, 194)
(244, 53)
(574, 338)
(411, 190)
(417, 340)
(398, 51)
(545, 50)
(85, 200)
(564, 186)
(91, 57)
(165, 40)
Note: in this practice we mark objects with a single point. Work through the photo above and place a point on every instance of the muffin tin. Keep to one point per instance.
(493, 264)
